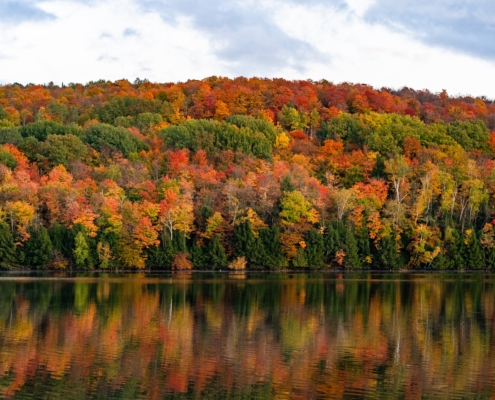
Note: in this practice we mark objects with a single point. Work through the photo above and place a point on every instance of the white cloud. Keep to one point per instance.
(373, 54)
(113, 39)
(93, 42)
(360, 6)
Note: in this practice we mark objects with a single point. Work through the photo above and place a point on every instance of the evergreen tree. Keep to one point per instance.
(7, 247)
(157, 258)
(474, 252)
(352, 260)
(286, 185)
(216, 254)
(179, 243)
(441, 262)
(243, 240)
(315, 249)
(387, 257)
(300, 261)
(363, 241)
(333, 240)
(455, 249)
(162, 255)
(38, 249)
(490, 258)
(257, 256)
(62, 239)
(274, 255)
(198, 256)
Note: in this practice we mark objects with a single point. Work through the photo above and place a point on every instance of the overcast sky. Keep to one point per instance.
(434, 44)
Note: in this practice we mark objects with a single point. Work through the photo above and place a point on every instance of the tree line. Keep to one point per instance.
(256, 174)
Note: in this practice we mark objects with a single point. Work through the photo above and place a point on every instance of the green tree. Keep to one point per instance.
(101, 136)
(315, 249)
(216, 254)
(455, 249)
(81, 251)
(474, 251)
(290, 118)
(11, 136)
(243, 240)
(62, 239)
(147, 120)
(274, 255)
(7, 159)
(387, 257)
(286, 185)
(300, 260)
(352, 260)
(38, 249)
(62, 149)
(333, 240)
(7, 247)
(198, 256)
(41, 129)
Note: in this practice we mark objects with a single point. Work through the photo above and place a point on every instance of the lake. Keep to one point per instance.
(247, 335)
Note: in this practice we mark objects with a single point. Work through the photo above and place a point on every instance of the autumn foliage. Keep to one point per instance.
(287, 174)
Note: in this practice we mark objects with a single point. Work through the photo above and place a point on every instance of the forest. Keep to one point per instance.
(255, 174)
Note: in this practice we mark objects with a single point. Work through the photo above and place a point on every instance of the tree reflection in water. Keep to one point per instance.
(248, 336)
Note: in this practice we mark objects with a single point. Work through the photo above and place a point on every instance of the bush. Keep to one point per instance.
(238, 264)
(181, 262)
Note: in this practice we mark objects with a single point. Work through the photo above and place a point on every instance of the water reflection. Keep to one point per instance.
(248, 336)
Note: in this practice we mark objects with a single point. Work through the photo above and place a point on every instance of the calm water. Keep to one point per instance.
(247, 336)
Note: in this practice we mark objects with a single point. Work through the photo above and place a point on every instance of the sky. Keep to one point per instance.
(421, 44)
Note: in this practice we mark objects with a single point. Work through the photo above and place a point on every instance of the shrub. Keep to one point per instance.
(238, 264)
(181, 262)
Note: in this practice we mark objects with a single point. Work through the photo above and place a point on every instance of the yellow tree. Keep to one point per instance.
(176, 210)
(18, 215)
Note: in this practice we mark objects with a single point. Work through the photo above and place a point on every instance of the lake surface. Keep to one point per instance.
(202, 336)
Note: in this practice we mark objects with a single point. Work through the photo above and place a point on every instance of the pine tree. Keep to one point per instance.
(441, 262)
(387, 254)
(363, 241)
(62, 239)
(475, 252)
(38, 249)
(198, 256)
(456, 251)
(333, 240)
(7, 247)
(300, 261)
(162, 255)
(257, 256)
(352, 260)
(216, 254)
(315, 249)
(490, 259)
(243, 240)
(286, 185)
(157, 258)
(274, 255)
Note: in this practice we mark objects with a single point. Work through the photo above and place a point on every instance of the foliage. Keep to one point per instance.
(287, 174)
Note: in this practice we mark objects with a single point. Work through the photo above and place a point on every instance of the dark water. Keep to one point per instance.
(247, 336)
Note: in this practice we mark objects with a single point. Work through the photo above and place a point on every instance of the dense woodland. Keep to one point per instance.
(244, 174)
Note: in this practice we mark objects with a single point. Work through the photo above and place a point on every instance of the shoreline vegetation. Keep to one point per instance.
(245, 175)
(310, 273)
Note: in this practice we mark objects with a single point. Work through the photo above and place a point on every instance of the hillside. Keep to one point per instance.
(244, 173)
